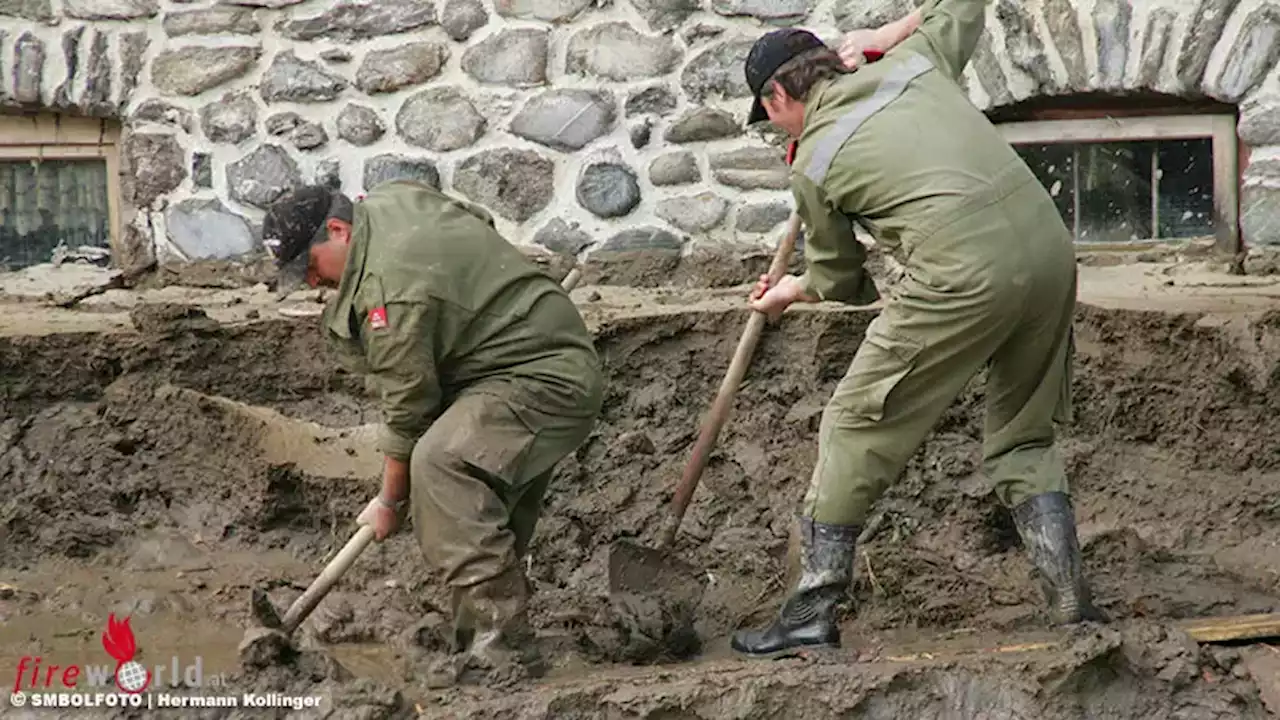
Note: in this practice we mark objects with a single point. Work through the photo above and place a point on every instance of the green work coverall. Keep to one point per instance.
(990, 271)
(487, 374)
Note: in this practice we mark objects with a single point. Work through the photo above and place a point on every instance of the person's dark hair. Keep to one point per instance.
(799, 74)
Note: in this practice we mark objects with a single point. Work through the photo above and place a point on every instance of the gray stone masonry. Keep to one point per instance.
(583, 126)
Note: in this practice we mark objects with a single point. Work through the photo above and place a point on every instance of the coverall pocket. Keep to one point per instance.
(490, 435)
(878, 369)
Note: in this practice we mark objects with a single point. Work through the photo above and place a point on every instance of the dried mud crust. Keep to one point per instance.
(1174, 454)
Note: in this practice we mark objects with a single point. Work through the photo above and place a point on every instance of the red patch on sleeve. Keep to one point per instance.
(791, 152)
(378, 318)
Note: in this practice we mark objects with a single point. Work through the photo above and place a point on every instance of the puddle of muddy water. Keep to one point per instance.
(58, 612)
(187, 621)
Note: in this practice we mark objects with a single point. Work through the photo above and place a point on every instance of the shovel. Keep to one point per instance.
(265, 613)
(637, 570)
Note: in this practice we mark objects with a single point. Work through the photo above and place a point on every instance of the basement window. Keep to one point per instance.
(59, 193)
(1131, 180)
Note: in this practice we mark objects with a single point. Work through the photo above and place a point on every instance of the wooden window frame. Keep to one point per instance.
(1220, 128)
(62, 137)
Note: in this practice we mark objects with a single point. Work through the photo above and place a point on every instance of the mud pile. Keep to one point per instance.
(1174, 455)
(1139, 672)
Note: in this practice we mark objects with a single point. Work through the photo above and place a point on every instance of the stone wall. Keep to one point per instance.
(582, 124)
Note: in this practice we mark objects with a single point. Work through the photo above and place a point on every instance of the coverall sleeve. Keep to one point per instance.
(402, 364)
(833, 255)
(948, 33)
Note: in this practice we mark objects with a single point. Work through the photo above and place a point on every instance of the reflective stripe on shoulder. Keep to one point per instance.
(894, 82)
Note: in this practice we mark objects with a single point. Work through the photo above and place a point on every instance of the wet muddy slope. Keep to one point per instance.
(1174, 455)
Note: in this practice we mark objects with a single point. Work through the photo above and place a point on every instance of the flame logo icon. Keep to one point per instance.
(131, 676)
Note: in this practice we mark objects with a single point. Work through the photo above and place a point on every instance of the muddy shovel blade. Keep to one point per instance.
(638, 570)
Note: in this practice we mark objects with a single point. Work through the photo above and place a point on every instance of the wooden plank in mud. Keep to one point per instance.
(1204, 630)
(1229, 628)
(945, 652)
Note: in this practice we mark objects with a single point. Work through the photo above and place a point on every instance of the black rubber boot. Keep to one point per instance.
(1047, 525)
(807, 619)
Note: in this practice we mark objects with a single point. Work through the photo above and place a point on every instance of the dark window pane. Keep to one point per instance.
(51, 202)
(1104, 190)
(1185, 199)
(1115, 191)
(1053, 165)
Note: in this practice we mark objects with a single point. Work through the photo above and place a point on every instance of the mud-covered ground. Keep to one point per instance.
(129, 484)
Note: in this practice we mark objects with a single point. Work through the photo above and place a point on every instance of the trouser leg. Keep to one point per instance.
(477, 480)
(916, 358)
(526, 512)
(1028, 390)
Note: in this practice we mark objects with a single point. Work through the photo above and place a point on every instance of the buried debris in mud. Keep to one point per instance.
(189, 464)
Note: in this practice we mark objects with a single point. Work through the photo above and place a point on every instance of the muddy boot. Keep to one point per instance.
(504, 645)
(464, 622)
(807, 618)
(446, 671)
(492, 638)
(1047, 525)
(795, 550)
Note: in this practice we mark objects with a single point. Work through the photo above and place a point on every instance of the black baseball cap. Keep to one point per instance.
(294, 223)
(770, 53)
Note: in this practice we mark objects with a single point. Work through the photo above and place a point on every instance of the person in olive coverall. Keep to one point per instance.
(896, 146)
(487, 374)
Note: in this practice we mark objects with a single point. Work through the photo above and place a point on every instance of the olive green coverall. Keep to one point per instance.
(990, 281)
(487, 374)
(990, 271)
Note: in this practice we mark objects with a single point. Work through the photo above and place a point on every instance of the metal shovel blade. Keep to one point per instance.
(638, 570)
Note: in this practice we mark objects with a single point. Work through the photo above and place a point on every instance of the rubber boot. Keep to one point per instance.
(1047, 525)
(504, 646)
(464, 622)
(446, 671)
(491, 634)
(807, 618)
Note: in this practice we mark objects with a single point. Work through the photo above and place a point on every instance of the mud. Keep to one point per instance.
(211, 274)
(165, 472)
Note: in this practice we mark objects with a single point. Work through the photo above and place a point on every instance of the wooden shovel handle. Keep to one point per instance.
(331, 574)
(725, 397)
(570, 280)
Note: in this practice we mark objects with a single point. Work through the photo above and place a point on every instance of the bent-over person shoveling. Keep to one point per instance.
(487, 374)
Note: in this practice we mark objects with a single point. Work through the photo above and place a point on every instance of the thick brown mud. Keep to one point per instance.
(128, 484)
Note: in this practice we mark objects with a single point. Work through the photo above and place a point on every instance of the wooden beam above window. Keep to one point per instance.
(51, 137)
(47, 129)
(1120, 129)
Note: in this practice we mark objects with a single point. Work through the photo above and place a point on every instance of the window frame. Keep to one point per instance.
(1218, 127)
(48, 136)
